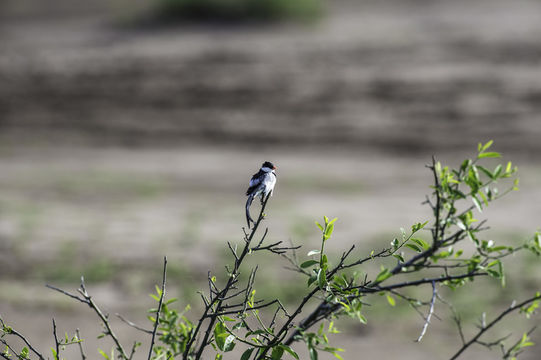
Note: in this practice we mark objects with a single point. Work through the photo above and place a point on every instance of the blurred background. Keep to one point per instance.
(129, 131)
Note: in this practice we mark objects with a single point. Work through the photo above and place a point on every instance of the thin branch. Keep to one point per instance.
(83, 355)
(157, 320)
(507, 354)
(87, 299)
(133, 348)
(56, 342)
(492, 323)
(20, 336)
(369, 290)
(216, 303)
(133, 325)
(430, 312)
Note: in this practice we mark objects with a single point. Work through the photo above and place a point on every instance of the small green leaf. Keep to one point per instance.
(391, 300)
(309, 263)
(221, 337)
(485, 171)
(421, 243)
(489, 155)
(383, 275)
(328, 231)
(399, 257)
(482, 148)
(323, 260)
(246, 355)
(313, 353)
(313, 252)
(277, 353)
(414, 247)
(290, 351)
(477, 203)
(319, 226)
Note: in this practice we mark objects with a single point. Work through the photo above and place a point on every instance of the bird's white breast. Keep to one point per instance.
(269, 181)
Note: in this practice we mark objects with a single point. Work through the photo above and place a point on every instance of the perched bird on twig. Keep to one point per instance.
(262, 184)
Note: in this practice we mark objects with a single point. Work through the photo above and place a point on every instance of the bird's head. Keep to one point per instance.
(268, 166)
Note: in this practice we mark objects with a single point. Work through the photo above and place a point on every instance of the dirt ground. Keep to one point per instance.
(120, 144)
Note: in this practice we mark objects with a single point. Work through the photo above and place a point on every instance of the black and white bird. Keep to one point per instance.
(261, 184)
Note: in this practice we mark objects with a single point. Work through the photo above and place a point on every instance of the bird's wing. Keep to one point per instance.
(254, 182)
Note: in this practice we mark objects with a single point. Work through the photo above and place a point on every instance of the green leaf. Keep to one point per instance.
(309, 263)
(391, 300)
(324, 260)
(313, 252)
(486, 171)
(414, 247)
(482, 148)
(477, 203)
(246, 355)
(290, 351)
(421, 243)
(219, 357)
(497, 170)
(489, 155)
(24, 352)
(319, 226)
(383, 275)
(220, 335)
(399, 257)
(313, 353)
(277, 353)
(328, 231)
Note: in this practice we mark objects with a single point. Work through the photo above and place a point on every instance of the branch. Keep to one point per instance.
(133, 325)
(56, 342)
(20, 336)
(87, 299)
(83, 355)
(492, 323)
(214, 306)
(157, 320)
(430, 312)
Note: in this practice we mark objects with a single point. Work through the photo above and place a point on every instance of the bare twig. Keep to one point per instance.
(492, 323)
(87, 299)
(430, 312)
(20, 336)
(157, 320)
(133, 325)
(83, 355)
(56, 342)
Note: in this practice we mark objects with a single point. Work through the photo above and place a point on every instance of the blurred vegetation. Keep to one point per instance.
(239, 10)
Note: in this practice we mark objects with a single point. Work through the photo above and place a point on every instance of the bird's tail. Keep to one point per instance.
(248, 204)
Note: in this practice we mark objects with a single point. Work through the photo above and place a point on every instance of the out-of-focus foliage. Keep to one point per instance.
(239, 10)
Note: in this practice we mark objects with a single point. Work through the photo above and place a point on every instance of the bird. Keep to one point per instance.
(261, 184)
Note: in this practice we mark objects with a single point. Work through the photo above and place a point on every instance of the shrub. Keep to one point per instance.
(233, 316)
(239, 10)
